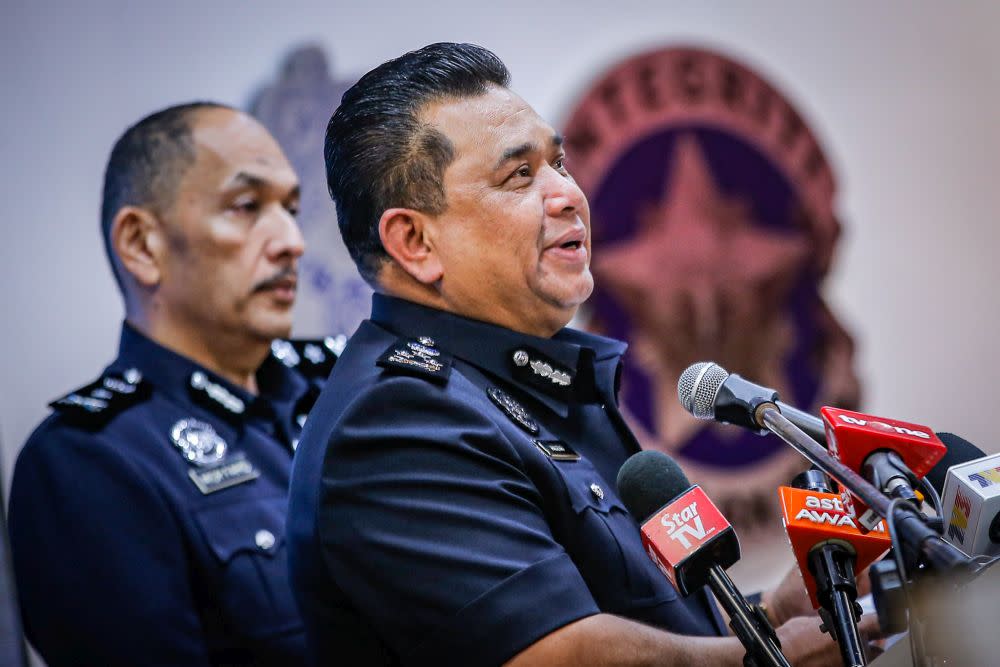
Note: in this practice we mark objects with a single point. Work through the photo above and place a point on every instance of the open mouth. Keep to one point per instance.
(571, 245)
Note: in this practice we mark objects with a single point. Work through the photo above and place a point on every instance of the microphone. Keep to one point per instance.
(830, 552)
(692, 543)
(709, 392)
(971, 498)
(893, 455)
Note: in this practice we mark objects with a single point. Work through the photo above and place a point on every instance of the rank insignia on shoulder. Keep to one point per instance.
(312, 358)
(557, 450)
(198, 442)
(230, 471)
(417, 357)
(513, 409)
(96, 403)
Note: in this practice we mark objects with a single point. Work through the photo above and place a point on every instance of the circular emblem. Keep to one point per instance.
(514, 410)
(521, 358)
(713, 227)
(198, 442)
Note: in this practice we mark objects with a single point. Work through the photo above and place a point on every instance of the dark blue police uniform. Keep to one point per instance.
(147, 513)
(453, 497)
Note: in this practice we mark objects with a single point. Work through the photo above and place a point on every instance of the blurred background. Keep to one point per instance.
(882, 276)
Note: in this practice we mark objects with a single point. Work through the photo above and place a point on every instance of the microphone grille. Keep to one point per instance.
(698, 386)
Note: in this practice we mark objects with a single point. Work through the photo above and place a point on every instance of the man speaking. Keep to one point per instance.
(453, 497)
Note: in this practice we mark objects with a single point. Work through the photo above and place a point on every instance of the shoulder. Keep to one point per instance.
(313, 358)
(92, 406)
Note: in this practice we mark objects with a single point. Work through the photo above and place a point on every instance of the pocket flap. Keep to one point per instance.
(586, 488)
(256, 526)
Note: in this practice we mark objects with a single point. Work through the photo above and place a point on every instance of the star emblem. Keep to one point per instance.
(703, 280)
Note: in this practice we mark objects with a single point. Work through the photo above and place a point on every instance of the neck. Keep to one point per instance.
(233, 357)
(404, 287)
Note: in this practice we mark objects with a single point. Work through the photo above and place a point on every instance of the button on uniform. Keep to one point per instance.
(264, 539)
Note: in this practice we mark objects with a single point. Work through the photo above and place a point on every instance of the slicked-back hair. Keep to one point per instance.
(146, 165)
(379, 155)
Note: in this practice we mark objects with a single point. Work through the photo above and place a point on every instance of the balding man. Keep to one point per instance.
(147, 512)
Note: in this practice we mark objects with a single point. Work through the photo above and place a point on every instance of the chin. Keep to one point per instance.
(272, 327)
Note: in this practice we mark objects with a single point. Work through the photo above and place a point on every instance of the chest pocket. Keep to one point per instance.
(605, 544)
(248, 543)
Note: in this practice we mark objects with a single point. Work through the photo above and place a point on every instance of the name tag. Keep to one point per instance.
(557, 450)
(232, 470)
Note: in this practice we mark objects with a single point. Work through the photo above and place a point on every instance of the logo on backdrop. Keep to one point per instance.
(295, 108)
(714, 227)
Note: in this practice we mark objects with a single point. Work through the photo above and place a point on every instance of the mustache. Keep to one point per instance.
(289, 273)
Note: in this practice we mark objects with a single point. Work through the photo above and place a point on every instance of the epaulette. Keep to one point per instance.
(95, 404)
(417, 356)
(313, 358)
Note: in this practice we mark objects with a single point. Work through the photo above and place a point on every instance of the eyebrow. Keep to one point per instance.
(520, 151)
(245, 179)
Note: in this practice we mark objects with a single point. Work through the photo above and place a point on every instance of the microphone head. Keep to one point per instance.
(959, 451)
(649, 480)
(698, 386)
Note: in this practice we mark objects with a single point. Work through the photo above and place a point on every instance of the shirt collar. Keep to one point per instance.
(556, 371)
(175, 374)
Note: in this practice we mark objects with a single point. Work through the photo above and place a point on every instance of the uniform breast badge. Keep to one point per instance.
(513, 409)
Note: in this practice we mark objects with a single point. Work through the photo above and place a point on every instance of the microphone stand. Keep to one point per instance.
(748, 623)
(832, 566)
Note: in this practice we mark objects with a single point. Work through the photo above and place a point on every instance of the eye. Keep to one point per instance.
(293, 209)
(524, 171)
(246, 206)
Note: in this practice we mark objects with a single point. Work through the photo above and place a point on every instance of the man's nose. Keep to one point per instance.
(564, 196)
(287, 238)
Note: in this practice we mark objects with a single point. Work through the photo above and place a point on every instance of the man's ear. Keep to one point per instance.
(405, 236)
(137, 241)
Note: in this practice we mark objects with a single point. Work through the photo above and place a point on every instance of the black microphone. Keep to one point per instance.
(708, 391)
(692, 544)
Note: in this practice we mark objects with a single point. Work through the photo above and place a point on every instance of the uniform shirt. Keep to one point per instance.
(147, 513)
(453, 497)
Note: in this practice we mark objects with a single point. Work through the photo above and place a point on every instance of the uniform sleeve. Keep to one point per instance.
(100, 565)
(430, 524)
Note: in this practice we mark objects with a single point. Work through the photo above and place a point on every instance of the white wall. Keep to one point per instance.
(905, 96)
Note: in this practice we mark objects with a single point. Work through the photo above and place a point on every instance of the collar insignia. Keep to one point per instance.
(534, 368)
(513, 409)
(215, 394)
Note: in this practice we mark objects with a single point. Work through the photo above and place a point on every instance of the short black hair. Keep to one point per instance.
(380, 155)
(146, 165)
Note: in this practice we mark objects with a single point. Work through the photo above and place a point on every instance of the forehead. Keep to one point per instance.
(229, 142)
(481, 128)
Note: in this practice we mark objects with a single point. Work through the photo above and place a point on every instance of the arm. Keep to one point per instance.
(609, 641)
(99, 560)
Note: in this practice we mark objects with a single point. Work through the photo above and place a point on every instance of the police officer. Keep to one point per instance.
(452, 500)
(147, 512)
